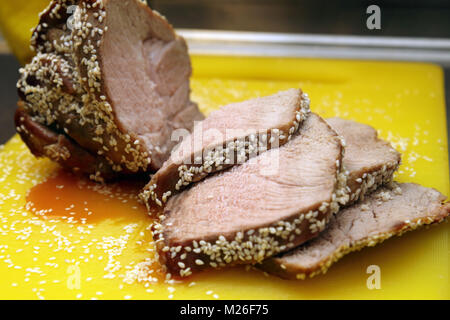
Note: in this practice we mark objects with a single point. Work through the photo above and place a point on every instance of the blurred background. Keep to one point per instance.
(410, 31)
(412, 18)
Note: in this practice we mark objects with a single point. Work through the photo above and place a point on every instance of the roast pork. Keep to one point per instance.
(110, 77)
(231, 135)
(216, 215)
(250, 212)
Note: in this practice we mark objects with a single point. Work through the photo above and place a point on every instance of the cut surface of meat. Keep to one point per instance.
(383, 214)
(369, 160)
(113, 77)
(229, 136)
(265, 206)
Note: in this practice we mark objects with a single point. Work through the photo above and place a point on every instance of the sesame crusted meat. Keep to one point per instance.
(250, 212)
(228, 136)
(381, 215)
(369, 160)
(113, 78)
(44, 142)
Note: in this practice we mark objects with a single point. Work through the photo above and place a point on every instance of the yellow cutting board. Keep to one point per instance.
(52, 254)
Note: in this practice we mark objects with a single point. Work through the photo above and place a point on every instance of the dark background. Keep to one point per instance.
(429, 19)
(406, 18)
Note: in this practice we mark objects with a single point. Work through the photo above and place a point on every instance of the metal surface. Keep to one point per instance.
(323, 46)
(306, 45)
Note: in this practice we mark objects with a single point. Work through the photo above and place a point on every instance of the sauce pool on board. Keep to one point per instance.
(70, 199)
(66, 196)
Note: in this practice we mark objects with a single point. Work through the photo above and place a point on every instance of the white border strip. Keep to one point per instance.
(324, 46)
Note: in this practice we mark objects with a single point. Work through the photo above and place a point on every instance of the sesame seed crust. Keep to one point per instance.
(368, 182)
(43, 142)
(415, 210)
(250, 245)
(64, 86)
(371, 161)
(177, 175)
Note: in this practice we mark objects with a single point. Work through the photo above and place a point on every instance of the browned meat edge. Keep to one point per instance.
(58, 147)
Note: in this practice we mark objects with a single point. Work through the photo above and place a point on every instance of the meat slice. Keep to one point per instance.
(230, 135)
(369, 160)
(112, 77)
(381, 215)
(265, 206)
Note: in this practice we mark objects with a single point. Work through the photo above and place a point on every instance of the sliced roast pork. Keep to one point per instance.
(370, 163)
(265, 206)
(381, 215)
(369, 160)
(229, 136)
(110, 77)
